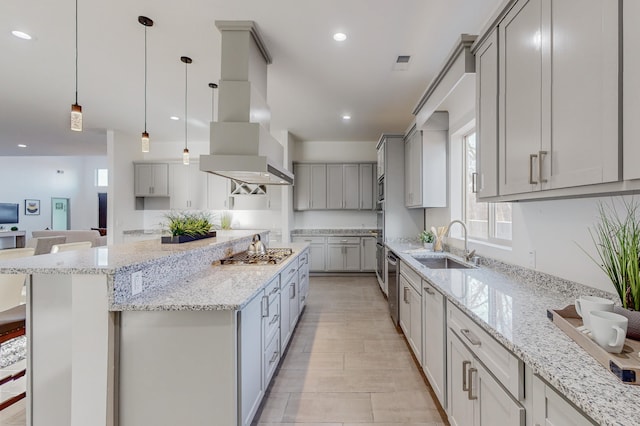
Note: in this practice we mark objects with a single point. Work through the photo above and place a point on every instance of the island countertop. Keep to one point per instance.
(512, 307)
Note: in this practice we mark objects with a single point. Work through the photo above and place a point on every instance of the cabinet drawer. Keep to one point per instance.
(272, 289)
(504, 365)
(271, 357)
(272, 321)
(343, 240)
(312, 240)
(412, 276)
(288, 272)
(303, 259)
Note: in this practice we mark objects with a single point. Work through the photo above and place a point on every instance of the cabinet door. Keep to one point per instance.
(584, 94)
(303, 278)
(631, 84)
(486, 183)
(415, 323)
(335, 186)
(160, 180)
(318, 186)
(460, 407)
(366, 187)
(302, 187)
(520, 106)
(352, 257)
(217, 192)
(551, 409)
(408, 172)
(335, 257)
(405, 306)
(197, 187)
(351, 189)
(250, 354)
(285, 315)
(380, 164)
(179, 186)
(493, 404)
(143, 179)
(317, 260)
(433, 341)
(294, 308)
(368, 260)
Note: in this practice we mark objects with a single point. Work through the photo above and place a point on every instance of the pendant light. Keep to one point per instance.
(213, 91)
(185, 152)
(76, 110)
(146, 22)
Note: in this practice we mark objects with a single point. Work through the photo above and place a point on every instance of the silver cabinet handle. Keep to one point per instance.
(406, 298)
(273, 357)
(531, 157)
(465, 384)
(470, 337)
(429, 291)
(474, 182)
(292, 294)
(471, 396)
(274, 320)
(540, 154)
(265, 306)
(274, 291)
(344, 241)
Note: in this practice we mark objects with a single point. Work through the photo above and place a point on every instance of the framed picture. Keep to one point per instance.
(31, 207)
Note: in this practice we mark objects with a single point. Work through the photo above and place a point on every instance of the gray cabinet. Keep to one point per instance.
(434, 340)
(558, 105)
(218, 192)
(151, 180)
(486, 179)
(343, 254)
(631, 84)
(549, 408)
(310, 189)
(250, 358)
(317, 251)
(368, 261)
(187, 186)
(367, 185)
(343, 186)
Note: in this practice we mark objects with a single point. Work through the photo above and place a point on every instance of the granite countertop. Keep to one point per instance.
(111, 259)
(513, 309)
(356, 232)
(219, 287)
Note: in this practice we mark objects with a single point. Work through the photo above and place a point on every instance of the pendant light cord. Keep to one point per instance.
(145, 78)
(186, 79)
(76, 52)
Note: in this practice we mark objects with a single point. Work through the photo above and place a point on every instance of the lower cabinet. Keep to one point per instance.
(303, 279)
(250, 376)
(317, 249)
(411, 313)
(475, 396)
(368, 261)
(343, 254)
(289, 304)
(340, 253)
(549, 408)
(434, 340)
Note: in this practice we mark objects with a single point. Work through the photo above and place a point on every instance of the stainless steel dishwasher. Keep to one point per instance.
(393, 276)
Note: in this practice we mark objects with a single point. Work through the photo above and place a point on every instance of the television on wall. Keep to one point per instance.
(8, 213)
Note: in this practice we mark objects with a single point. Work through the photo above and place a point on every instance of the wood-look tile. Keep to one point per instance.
(404, 407)
(313, 361)
(329, 407)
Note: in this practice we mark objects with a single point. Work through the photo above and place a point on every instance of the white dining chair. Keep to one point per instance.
(11, 284)
(57, 248)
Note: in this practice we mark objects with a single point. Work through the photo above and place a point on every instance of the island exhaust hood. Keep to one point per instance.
(241, 146)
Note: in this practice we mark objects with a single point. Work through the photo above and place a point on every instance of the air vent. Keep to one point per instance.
(403, 59)
(402, 63)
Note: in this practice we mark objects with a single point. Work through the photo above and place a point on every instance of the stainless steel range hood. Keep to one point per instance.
(241, 146)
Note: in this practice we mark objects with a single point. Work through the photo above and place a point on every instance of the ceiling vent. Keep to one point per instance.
(402, 63)
(241, 146)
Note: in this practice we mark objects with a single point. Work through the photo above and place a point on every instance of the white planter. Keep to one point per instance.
(428, 246)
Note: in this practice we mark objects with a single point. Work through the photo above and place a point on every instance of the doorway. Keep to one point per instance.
(60, 214)
(102, 209)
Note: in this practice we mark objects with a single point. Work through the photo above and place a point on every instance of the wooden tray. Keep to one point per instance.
(625, 366)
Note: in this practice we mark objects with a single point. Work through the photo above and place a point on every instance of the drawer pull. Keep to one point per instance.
(531, 158)
(344, 241)
(274, 357)
(291, 271)
(465, 384)
(292, 294)
(265, 306)
(274, 320)
(429, 291)
(274, 291)
(470, 383)
(470, 337)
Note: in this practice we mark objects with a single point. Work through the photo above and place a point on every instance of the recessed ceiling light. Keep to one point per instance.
(21, 145)
(346, 117)
(339, 36)
(173, 117)
(21, 35)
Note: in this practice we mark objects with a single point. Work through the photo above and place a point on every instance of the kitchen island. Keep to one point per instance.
(510, 304)
(146, 333)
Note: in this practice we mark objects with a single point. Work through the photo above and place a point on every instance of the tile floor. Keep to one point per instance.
(346, 365)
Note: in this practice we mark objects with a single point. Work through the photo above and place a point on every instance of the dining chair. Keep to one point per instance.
(57, 248)
(11, 284)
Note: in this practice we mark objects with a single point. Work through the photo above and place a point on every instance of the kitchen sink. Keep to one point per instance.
(442, 263)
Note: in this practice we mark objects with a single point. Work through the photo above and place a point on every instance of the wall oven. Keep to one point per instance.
(381, 189)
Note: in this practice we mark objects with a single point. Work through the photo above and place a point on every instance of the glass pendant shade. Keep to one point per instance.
(185, 157)
(76, 118)
(145, 142)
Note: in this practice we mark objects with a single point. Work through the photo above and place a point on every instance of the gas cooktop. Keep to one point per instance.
(273, 256)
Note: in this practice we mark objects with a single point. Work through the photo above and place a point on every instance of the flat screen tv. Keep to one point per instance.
(8, 213)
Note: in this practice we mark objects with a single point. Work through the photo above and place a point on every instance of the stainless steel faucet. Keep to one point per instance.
(467, 255)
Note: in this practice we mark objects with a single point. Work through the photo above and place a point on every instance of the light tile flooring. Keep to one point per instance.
(346, 365)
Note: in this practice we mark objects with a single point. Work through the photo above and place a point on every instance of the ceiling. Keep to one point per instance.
(312, 82)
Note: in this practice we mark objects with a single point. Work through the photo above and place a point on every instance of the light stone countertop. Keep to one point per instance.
(219, 287)
(513, 309)
(356, 232)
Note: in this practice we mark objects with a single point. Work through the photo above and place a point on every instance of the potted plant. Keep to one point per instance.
(427, 239)
(617, 241)
(187, 226)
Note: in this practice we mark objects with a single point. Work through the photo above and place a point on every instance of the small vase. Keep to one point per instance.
(437, 245)
(633, 329)
(428, 246)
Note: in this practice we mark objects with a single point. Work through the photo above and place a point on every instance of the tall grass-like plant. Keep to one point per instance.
(188, 223)
(617, 241)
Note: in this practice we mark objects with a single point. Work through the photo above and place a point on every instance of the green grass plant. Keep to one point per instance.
(188, 223)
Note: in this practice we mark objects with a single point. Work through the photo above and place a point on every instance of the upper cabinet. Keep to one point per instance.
(334, 186)
(151, 180)
(557, 112)
(631, 84)
(425, 168)
(187, 186)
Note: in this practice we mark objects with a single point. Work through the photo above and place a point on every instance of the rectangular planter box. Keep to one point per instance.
(179, 239)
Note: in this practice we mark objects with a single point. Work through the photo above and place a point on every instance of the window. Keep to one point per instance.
(485, 221)
(102, 177)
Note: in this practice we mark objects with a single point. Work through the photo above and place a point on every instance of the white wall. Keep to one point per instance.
(39, 178)
(333, 152)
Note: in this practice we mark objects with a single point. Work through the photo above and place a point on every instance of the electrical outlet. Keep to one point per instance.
(136, 283)
(532, 259)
